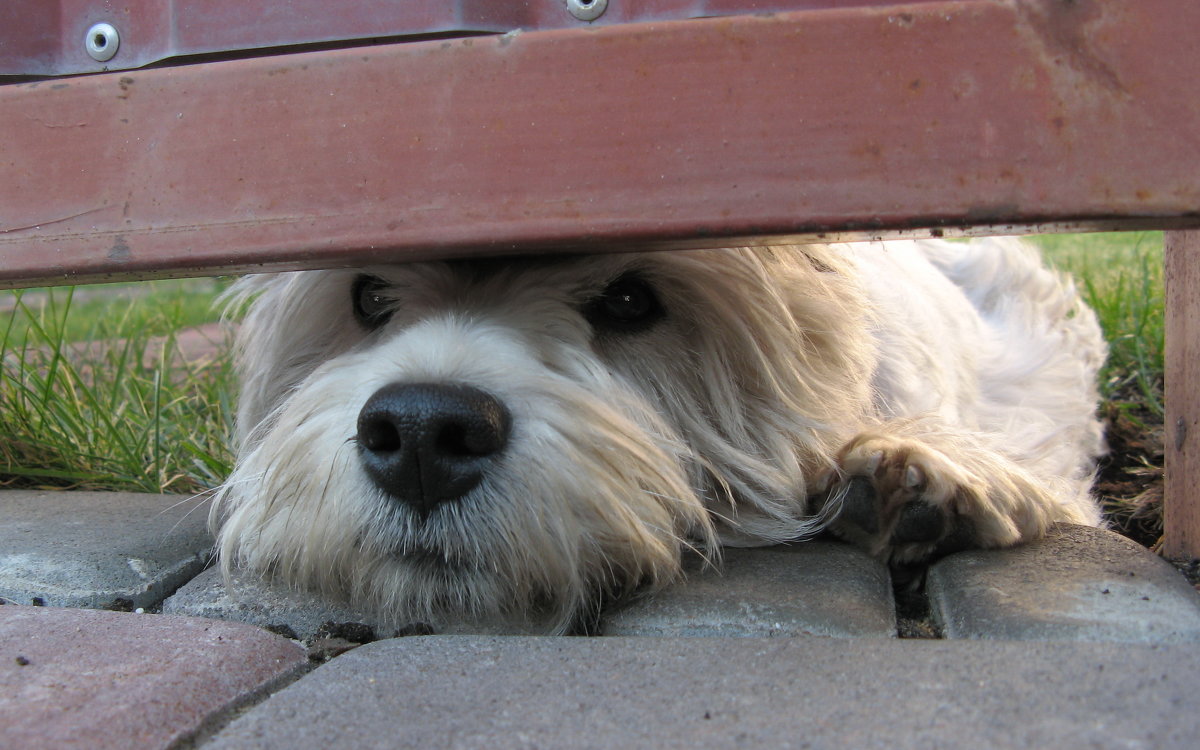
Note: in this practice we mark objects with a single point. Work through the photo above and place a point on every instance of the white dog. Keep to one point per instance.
(534, 435)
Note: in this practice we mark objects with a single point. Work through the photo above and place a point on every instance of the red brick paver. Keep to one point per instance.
(96, 679)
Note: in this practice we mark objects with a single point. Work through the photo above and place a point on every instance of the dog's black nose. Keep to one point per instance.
(427, 443)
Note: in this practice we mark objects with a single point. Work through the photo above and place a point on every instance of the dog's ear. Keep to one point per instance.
(293, 322)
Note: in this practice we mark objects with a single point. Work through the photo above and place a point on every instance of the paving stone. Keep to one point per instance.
(522, 692)
(74, 678)
(814, 588)
(251, 601)
(1079, 583)
(99, 549)
(297, 613)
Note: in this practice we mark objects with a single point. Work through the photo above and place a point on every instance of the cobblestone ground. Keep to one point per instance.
(1081, 640)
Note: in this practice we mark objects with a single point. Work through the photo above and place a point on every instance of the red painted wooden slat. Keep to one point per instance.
(643, 135)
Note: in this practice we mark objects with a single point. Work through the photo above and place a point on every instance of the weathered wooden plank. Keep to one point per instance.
(642, 135)
(1182, 505)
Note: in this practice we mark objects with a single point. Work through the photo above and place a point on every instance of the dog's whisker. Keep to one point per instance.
(198, 498)
(199, 501)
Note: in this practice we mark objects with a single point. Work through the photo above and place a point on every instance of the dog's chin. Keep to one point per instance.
(431, 561)
(429, 586)
(423, 541)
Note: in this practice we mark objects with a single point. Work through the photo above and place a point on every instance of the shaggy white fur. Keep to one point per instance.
(531, 436)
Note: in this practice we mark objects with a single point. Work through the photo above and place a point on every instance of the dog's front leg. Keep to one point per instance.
(910, 490)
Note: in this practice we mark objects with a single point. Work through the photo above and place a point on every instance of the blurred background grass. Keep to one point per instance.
(1121, 277)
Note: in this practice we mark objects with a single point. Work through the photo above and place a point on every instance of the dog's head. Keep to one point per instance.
(531, 435)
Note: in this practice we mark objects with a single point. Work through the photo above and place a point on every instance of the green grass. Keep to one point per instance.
(129, 415)
(112, 419)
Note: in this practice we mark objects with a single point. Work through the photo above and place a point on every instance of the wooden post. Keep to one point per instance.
(1181, 506)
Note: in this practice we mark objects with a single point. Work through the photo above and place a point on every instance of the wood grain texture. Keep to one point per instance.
(705, 132)
(1182, 499)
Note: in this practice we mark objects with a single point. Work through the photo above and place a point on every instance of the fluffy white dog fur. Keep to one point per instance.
(657, 402)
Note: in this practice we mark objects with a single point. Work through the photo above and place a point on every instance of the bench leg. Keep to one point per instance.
(1181, 504)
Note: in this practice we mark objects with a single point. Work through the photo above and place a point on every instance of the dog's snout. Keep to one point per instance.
(428, 443)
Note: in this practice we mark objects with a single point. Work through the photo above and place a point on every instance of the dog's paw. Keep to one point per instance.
(901, 500)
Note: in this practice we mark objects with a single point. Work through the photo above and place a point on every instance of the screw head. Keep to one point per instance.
(102, 41)
(587, 10)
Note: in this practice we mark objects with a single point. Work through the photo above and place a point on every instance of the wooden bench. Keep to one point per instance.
(857, 121)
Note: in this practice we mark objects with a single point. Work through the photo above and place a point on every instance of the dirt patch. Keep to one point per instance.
(1129, 483)
(1191, 571)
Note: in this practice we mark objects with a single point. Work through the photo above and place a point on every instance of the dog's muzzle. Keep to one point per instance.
(430, 443)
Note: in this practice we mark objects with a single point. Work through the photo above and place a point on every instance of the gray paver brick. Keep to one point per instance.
(821, 588)
(259, 603)
(92, 679)
(1079, 583)
(813, 588)
(87, 549)
(695, 693)
(250, 601)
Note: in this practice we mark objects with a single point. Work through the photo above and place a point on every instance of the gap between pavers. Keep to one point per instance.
(99, 549)
(814, 588)
(1077, 583)
(78, 678)
(696, 693)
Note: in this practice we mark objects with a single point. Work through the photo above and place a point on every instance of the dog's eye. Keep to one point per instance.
(627, 305)
(372, 308)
